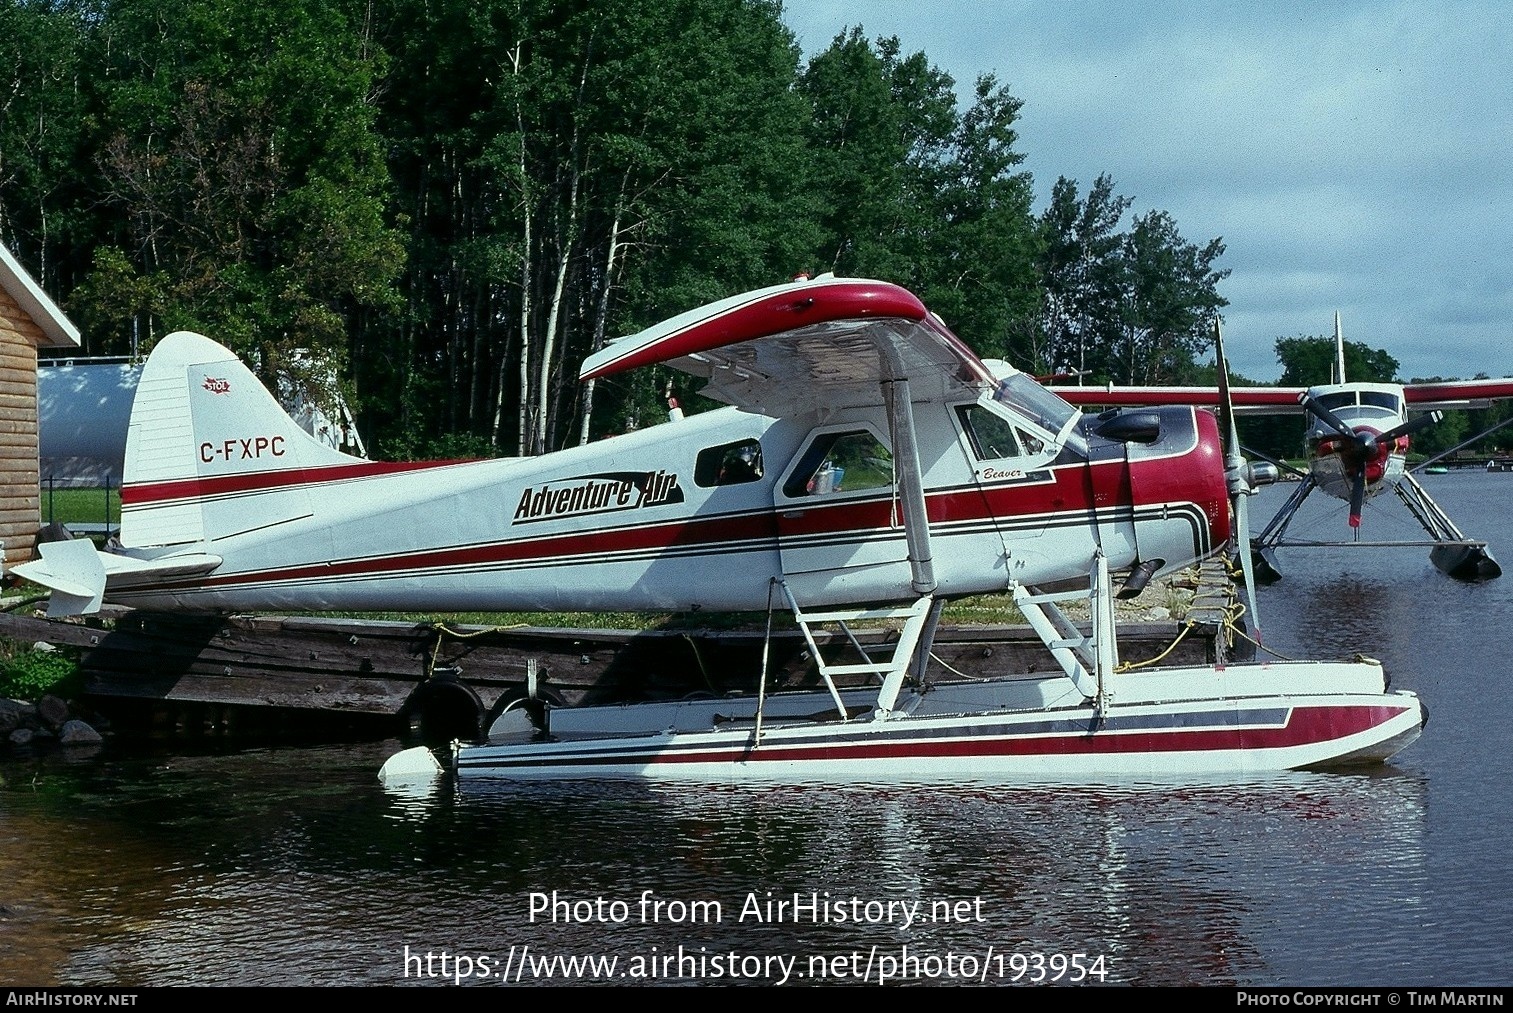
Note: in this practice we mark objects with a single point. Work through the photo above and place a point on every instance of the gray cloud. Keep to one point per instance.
(1353, 157)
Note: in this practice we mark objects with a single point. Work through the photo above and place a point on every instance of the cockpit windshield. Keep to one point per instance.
(1381, 399)
(1036, 403)
(1352, 398)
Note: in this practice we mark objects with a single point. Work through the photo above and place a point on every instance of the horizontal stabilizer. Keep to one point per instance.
(77, 573)
(74, 574)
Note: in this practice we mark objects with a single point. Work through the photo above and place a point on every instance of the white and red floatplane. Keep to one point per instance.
(869, 467)
(1357, 446)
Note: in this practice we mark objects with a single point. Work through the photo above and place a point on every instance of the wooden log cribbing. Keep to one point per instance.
(394, 669)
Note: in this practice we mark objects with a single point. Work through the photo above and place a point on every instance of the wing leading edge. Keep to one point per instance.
(826, 342)
(1420, 397)
(1247, 400)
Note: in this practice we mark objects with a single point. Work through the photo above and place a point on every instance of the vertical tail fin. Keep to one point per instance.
(1339, 350)
(209, 452)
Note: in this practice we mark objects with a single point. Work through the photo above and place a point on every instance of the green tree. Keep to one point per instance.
(47, 214)
(574, 170)
(1170, 304)
(239, 154)
(466, 197)
(1308, 361)
(916, 191)
(1134, 306)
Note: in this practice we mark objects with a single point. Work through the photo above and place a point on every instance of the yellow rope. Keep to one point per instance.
(443, 631)
(1232, 624)
(1126, 666)
(699, 657)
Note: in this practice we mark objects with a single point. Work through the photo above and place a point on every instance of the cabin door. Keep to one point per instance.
(840, 523)
(1009, 463)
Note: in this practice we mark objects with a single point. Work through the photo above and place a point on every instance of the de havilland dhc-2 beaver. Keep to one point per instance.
(869, 466)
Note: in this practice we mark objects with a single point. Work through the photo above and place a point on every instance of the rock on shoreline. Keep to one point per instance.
(49, 720)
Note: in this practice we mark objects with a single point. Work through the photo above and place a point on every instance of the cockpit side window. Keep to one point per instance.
(841, 462)
(1036, 403)
(994, 438)
(729, 464)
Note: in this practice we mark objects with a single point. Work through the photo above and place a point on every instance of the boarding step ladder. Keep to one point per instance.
(1090, 659)
(921, 616)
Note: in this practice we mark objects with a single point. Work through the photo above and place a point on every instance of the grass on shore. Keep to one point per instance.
(81, 506)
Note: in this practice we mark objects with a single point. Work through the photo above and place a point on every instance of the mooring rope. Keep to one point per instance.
(443, 631)
(1188, 627)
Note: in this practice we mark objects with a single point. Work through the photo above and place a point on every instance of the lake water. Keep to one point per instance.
(293, 866)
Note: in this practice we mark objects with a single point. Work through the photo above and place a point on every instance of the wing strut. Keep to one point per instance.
(911, 485)
(1454, 553)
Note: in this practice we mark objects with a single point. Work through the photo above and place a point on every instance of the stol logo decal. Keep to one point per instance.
(597, 494)
(217, 385)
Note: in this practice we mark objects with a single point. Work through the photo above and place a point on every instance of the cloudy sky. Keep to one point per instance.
(1353, 157)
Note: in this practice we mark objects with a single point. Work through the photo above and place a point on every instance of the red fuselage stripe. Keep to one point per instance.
(160, 493)
(1067, 496)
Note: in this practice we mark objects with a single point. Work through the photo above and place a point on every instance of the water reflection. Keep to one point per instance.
(295, 866)
(272, 868)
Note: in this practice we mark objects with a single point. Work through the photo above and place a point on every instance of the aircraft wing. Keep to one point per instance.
(1247, 400)
(826, 342)
(1282, 400)
(1456, 394)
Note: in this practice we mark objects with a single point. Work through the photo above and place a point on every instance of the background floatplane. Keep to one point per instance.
(1357, 446)
(869, 468)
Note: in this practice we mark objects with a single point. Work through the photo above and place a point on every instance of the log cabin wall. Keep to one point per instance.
(20, 495)
(28, 320)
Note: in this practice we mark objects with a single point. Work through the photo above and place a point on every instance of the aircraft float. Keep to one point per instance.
(869, 466)
(1356, 444)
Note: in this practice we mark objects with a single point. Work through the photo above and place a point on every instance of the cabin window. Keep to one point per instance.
(841, 462)
(1339, 399)
(729, 464)
(993, 437)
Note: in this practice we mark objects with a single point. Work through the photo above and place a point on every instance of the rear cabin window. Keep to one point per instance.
(729, 464)
(842, 462)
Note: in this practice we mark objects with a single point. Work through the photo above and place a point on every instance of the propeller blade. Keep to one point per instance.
(1311, 405)
(1413, 425)
(1227, 430)
(1247, 564)
(1235, 476)
(1358, 497)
